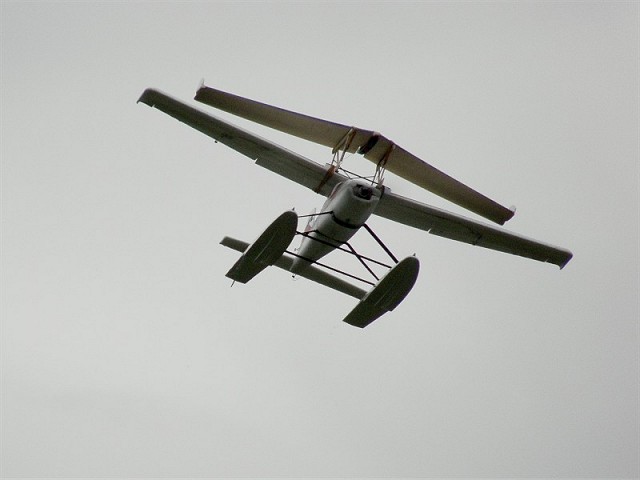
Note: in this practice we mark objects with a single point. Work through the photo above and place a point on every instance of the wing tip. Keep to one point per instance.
(149, 96)
(503, 216)
(202, 92)
(566, 260)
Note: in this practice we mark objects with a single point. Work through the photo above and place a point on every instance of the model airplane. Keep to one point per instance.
(350, 201)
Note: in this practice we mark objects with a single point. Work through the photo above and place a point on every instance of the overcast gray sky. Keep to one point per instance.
(126, 353)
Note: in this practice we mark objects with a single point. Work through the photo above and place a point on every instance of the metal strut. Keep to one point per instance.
(360, 259)
(314, 215)
(381, 166)
(338, 247)
(377, 239)
(339, 151)
(341, 148)
(328, 267)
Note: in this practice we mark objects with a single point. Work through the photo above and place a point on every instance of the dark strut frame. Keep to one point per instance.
(363, 259)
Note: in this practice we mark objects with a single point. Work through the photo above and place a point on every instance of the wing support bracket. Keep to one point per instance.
(342, 147)
(339, 151)
(327, 176)
(381, 166)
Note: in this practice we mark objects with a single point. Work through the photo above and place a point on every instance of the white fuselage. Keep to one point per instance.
(346, 209)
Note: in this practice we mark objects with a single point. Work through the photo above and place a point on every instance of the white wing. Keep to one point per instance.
(314, 176)
(456, 227)
(265, 153)
(375, 147)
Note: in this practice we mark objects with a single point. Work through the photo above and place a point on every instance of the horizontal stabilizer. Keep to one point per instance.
(374, 146)
(312, 273)
(386, 294)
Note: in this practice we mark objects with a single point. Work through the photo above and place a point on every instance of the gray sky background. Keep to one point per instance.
(126, 353)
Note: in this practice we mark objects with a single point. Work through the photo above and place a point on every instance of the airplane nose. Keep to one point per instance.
(363, 191)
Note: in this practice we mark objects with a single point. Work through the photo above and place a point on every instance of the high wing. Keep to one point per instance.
(265, 153)
(456, 227)
(320, 179)
(374, 146)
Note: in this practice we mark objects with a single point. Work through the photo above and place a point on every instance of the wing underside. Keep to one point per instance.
(265, 153)
(375, 148)
(456, 227)
(317, 177)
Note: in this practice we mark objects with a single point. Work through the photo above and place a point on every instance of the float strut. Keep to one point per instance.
(384, 247)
